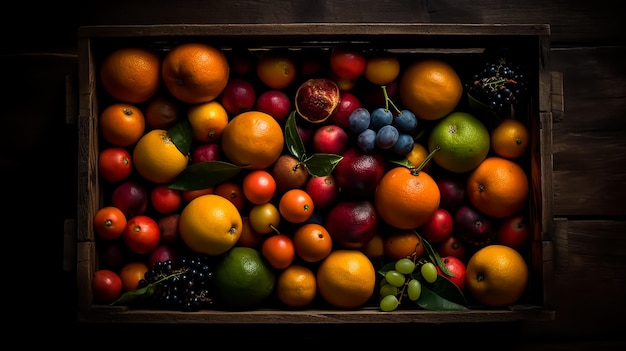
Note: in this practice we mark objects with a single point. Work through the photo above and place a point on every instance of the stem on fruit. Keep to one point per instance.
(388, 100)
(274, 229)
(425, 161)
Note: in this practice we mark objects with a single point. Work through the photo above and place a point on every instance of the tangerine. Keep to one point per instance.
(312, 242)
(346, 278)
(208, 120)
(406, 198)
(403, 243)
(195, 72)
(210, 224)
(157, 158)
(296, 206)
(109, 222)
(296, 286)
(253, 139)
(430, 88)
(498, 187)
(131, 273)
(122, 124)
(276, 69)
(375, 247)
(131, 74)
(496, 275)
(510, 138)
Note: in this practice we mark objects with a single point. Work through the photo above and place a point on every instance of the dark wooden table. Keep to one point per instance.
(589, 148)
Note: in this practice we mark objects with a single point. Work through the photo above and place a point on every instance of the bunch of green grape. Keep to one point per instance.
(399, 283)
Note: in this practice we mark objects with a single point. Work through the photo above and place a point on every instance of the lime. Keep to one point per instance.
(463, 142)
(243, 278)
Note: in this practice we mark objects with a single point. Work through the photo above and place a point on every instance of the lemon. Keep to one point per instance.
(243, 278)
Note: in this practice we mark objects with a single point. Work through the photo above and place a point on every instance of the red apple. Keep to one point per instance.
(348, 103)
(161, 253)
(514, 232)
(347, 63)
(452, 192)
(131, 197)
(323, 190)
(206, 152)
(452, 246)
(275, 103)
(457, 268)
(352, 224)
(238, 96)
(473, 226)
(330, 139)
(439, 226)
(168, 225)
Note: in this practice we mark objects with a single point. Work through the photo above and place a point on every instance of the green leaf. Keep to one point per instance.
(430, 300)
(434, 257)
(321, 164)
(404, 162)
(133, 296)
(292, 138)
(202, 175)
(182, 136)
(443, 288)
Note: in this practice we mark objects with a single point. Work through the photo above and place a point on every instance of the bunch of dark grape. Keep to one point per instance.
(185, 285)
(499, 84)
(381, 130)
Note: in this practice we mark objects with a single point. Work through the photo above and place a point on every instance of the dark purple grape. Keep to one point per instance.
(404, 145)
(381, 117)
(387, 136)
(406, 121)
(359, 120)
(366, 141)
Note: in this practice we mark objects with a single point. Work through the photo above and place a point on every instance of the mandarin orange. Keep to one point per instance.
(131, 75)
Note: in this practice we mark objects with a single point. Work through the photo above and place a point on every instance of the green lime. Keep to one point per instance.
(463, 142)
(243, 278)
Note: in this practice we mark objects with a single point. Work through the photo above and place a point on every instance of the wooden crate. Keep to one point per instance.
(456, 42)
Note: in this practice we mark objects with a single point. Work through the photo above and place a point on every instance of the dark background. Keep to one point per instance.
(38, 58)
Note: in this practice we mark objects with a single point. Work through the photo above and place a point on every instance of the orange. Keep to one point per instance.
(276, 69)
(208, 120)
(249, 237)
(496, 275)
(156, 157)
(296, 206)
(382, 68)
(375, 247)
(498, 187)
(210, 224)
(312, 242)
(417, 155)
(109, 222)
(131, 75)
(131, 273)
(510, 138)
(296, 286)
(278, 250)
(430, 88)
(401, 244)
(253, 139)
(406, 198)
(195, 72)
(346, 279)
(161, 113)
(122, 124)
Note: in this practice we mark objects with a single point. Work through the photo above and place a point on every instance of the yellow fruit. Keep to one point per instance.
(207, 120)
(210, 224)
(157, 158)
(254, 139)
(510, 138)
(430, 88)
(296, 286)
(374, 247)
(346, 279)
(496, 275)
(243, 278)
(131, 273)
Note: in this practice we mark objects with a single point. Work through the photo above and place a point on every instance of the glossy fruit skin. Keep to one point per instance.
(439, 226)
(168, 225)
(115, 164)
(514, 232)
(141, 234)
(330, 139)
(264, 217)
(109, 222)
(233, 192)
(452, 192)
(352, 224)
(122, 124)
(259, 187)
(324, 191)
(276, 69)
(473, 226)
(162, 253)
(289, 173)
(165, 200)
(106, 286)
(131, 197)
(347, 104)
(275, 103)
(206, 152)
(452, 246)
(296, 206)
(347, 63)
(312, 242)
(358, 173)
(458, 269)
(382, 68)
(131, 273)
(278, 250)
(238, 96)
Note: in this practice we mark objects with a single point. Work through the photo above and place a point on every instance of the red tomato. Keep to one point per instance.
(115, 164)
(106, 286)
(514, 232)
(259, 186)
(164, 199)
(279, 251)
(142, 234)
(347, 63)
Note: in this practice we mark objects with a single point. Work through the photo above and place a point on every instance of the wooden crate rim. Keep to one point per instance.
(316, 29)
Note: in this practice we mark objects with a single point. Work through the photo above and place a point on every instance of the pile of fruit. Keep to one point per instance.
(334, 177)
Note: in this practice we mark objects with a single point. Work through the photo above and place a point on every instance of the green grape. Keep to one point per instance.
(389, 303)
(414, 289)
(387, 289)
(429, 272)
(405, 266)
(395, 278)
